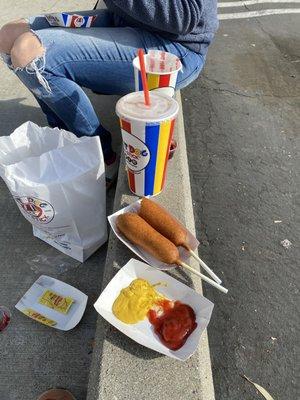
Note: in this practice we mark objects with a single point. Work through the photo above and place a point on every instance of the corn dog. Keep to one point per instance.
(169, 227)
(163, 222)
(139, 232)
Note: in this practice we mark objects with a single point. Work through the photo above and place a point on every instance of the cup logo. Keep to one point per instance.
(78, 21)
(137, 154)
(38, 210)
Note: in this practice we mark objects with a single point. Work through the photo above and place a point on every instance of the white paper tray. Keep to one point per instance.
(143, 332)
(44, 282)
(134, 207)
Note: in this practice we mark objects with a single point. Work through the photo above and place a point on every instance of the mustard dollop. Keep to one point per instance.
(134, 302)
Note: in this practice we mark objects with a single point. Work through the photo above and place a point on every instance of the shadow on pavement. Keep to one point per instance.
(13, 113)
(31, 353)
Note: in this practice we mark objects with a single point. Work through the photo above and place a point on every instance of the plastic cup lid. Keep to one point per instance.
(133, 107)
(160, 62)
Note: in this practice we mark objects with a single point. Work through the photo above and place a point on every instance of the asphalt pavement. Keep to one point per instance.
(242, 129)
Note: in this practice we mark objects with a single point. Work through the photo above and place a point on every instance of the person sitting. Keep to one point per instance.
(55, 63)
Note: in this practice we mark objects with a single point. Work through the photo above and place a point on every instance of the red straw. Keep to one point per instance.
(144, 77)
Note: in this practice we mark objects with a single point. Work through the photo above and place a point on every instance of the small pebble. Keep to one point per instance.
(286, 243)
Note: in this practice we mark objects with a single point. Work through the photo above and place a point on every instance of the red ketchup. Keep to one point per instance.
(175, 324)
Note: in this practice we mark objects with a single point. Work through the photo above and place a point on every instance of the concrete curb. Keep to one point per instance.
(122, 369)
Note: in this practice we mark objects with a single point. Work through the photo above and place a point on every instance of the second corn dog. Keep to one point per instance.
(161, 220)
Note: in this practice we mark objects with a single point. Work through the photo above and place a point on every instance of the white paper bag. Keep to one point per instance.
(58, 183)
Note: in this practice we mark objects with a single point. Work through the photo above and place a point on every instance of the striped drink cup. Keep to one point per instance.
(147, 132)
(70, 20)
(162, 70)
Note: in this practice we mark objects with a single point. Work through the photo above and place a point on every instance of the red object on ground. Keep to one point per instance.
(175, 325)
(4, 318)
(144, 76)
(173, 148)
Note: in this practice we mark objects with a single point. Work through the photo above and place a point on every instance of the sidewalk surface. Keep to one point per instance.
(122, 369)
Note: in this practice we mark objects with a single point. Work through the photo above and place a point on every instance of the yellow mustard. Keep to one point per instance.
(134, 301)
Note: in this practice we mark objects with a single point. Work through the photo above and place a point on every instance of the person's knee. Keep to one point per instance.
(10, 32)
(26, 48)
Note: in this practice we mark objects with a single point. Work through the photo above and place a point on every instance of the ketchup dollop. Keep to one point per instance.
(175, 324)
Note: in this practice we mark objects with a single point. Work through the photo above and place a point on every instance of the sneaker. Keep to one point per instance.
(57, 394)
(111, 170)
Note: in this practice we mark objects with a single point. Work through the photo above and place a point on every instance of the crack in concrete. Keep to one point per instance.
(238, 93)
(234, 92)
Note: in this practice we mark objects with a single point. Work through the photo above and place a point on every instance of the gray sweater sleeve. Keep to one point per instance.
(175, 16)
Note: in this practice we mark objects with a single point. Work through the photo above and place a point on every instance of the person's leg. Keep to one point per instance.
(10, 32)
(96, 58)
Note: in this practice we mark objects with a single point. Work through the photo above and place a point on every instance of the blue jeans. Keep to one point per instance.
(97, 58)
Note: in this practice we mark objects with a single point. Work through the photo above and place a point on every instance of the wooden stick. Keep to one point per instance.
(205, 278)
(206, 267)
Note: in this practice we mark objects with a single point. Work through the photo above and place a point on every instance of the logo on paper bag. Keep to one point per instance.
(137, 154)
(38, 210)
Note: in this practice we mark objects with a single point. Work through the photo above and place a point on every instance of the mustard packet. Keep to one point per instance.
(56, 301)
(38, 317)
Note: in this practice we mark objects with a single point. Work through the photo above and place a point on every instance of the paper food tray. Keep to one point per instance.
(134, 207)
(143, 332)
(64, 322)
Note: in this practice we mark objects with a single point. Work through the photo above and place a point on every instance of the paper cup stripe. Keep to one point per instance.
(152, 138)
(140, 81)
(167, 156)
(164, 80)
(66, 18)
(153, 81)
(138, 130)
(91, 21)
(131, 180)
(125, 125)
(162, 154)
